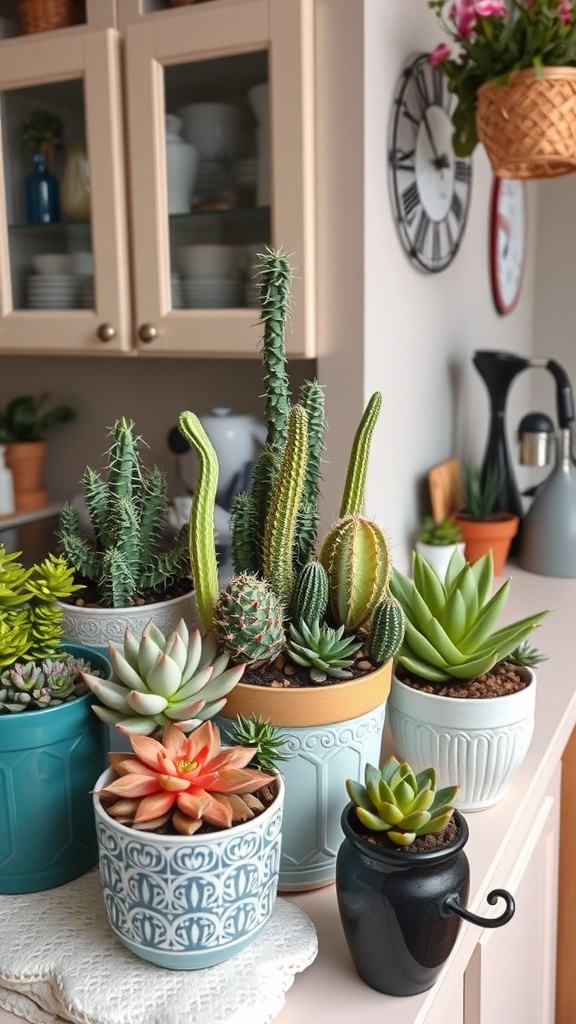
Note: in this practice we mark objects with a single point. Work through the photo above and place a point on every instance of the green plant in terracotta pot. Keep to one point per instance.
(481, 527)
(24, 424)
(53, 748)
(311, 619)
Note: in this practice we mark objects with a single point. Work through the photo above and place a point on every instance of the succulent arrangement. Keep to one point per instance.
(23, 419)
(450, 626)
(439, 532)
(403, 805)
(315, 602)
(34, 672)
(180, 678)
(184, 782)
(125, 559)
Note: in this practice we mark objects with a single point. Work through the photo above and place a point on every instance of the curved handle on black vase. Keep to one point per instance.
(453, 904)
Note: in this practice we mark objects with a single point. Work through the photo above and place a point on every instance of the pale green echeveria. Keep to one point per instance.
(450, 624)
(180, 678)
(400, 803)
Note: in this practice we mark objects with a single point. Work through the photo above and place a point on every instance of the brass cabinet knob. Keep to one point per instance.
(147, 332)
(106, 332)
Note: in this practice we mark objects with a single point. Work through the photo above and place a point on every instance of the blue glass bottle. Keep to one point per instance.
(42, 200)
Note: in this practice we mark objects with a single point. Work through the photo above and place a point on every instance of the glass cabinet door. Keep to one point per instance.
(63, 252)
(219, 110)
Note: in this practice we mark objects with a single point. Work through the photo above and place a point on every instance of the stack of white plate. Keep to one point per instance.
(53, 291)
(211, 293)
(176, 288)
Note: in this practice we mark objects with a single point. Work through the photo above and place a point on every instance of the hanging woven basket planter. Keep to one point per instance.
(528, 127)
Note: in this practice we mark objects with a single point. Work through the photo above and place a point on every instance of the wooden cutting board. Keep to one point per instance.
(444, 482)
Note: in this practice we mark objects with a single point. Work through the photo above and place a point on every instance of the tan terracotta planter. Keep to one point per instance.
(26, 460)
(496, 534)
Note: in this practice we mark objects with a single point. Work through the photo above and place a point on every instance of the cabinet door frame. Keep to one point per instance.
(94, 56)
(285, 29)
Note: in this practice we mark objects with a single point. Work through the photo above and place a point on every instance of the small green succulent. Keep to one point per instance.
(400, 803)
(326, 651)
(181, 678)
(439, 533)
(256, 732)
(39, 684)
(480, 491)
(526, 655)
(450, 625)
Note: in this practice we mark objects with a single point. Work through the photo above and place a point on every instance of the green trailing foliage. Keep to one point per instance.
(127, 505)
(450, 625)
(403, 805)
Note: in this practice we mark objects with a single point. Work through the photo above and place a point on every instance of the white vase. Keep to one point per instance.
(181, 167)
(439, 555)
(258, 98)
(476, 743)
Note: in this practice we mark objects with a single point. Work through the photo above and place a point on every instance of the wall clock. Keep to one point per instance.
(507, 242)
(430, 187)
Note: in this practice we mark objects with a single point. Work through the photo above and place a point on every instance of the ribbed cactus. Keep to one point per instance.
(357, 560)
(386, 630)
(280, 528)
(310, 599)
(203, 562)
(248, 620)
(275, 279)
(312, 400)
(353, 497)
(244, 529)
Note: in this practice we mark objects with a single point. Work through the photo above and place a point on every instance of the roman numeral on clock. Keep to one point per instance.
(410, 201)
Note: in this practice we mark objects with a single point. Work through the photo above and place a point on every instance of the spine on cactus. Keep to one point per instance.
(310, 594)
(312, 400)
(244, 534)
(353, 497)
(357, 561)
(280, 527)
(248, 620)
(275, 280)
(201, 536)
(386, 630)
(265, 473)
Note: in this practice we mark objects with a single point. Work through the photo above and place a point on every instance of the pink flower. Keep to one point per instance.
(440, 53)
(565, 12)
(485, 8)
(463, 14)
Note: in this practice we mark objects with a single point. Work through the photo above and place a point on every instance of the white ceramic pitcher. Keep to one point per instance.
(237, 438)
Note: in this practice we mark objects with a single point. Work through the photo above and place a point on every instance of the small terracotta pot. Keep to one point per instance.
(26, 460)
(495, 533)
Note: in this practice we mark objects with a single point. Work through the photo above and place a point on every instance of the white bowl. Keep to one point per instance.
(214, 128)
(209, 261)
(52, 263)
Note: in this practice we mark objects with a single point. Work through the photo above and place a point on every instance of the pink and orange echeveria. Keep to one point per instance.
(191, 780)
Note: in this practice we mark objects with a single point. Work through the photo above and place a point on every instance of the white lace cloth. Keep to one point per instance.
(60, 961)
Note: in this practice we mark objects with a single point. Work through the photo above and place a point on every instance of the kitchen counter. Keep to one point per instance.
(330, 990)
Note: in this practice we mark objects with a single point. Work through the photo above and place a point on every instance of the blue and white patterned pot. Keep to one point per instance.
(187, 902)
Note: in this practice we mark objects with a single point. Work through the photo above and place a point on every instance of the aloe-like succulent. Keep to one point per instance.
(181, 678)
(450, 630)
(404, 805)
(326, 651)
(268, 742)
(527, 655)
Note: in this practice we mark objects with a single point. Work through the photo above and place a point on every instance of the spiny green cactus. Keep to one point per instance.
(182, 678)
(45, 683)
(400, 803)
(353, 497)
(244, 530)
(326, 651)
(279, 530)
(128, 511)
(275, 275)
(386, 630)
(312, 400)
(248, 620)
(203, 563)
(310, 599)
(357, 561)
(267, 740)
(450, 625)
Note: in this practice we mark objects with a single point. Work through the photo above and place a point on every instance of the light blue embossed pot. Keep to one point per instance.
(187, 902)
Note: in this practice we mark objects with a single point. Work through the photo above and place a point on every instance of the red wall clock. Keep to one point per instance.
(507, 242)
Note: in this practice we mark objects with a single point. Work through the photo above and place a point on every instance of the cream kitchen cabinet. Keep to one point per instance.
(114, 86)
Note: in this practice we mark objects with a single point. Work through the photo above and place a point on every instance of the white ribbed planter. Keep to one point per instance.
(98, 627)
(438, 555)
(477, 743)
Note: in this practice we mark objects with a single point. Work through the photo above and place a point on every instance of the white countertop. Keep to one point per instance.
(330, 990)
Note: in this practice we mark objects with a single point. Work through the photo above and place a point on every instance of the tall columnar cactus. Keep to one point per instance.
(248, 620)
(275, 280)
(312, 400)
(387, 630)
(310, 599)
(280, 528)
(357, 560)
(203, 562)
(353, 497)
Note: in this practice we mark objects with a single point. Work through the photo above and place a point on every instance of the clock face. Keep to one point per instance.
(430, 187)
(507, 242)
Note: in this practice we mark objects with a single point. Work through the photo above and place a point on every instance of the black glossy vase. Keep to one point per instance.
(401, 911)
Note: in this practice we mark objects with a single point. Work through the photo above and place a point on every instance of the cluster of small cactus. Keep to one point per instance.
(291, 593)
(128, 510)
(32, 685)
(439, 532)
(403, 805)
(182, 678)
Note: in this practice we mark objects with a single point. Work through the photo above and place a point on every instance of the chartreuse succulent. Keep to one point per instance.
(403, 805)
(450, 625)
(181, 678)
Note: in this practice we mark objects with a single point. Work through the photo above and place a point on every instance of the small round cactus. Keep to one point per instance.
(310, 594)
(386, 630)
(248, 620)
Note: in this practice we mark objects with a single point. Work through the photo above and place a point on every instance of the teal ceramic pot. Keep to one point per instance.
(189, 902)
(49, 762)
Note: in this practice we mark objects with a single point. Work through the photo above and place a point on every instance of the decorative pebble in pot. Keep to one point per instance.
(402, 878)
